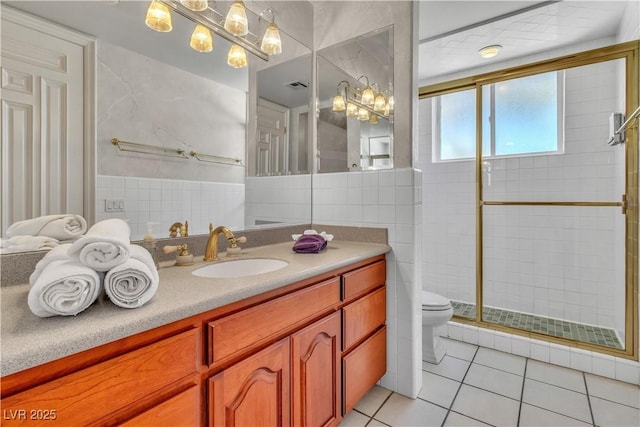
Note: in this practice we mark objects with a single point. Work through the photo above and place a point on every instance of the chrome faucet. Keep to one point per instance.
(211, 251)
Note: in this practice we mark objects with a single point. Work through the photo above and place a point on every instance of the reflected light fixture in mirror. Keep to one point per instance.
(201, 39)
(195, 5)
(236, 21)
(158, 17)
(237, 57)
(235, 28)
(362, 104)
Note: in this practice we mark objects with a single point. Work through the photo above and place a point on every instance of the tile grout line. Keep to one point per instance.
(444, 420)
(380, 407)
(524, 379)
(586, 388)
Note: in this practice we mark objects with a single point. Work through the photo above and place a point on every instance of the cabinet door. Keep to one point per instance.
(316, 373)
(253, 392)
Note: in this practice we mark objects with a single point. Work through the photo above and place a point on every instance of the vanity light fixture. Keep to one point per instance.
(490, 51)
(201, 39)
(360, 104)
(368, 97)
(234, 28)
(236, 21)
(195, 5)
(237, 57)
(158, 17)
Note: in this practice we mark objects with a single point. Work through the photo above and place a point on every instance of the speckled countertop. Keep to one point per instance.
(27, 340)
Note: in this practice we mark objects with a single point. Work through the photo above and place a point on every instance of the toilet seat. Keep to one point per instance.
(434, 302)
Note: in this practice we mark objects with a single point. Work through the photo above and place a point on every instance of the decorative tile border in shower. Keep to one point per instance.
(554, 327)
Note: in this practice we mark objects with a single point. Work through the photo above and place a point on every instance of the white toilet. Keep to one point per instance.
(436, 311)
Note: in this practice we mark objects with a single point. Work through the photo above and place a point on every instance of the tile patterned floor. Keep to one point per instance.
(545, 325)
(476, 386)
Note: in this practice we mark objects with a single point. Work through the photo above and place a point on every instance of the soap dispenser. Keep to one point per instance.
(150, 244)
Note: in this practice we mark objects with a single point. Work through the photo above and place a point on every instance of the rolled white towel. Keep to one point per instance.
(59, 253)
(59, 227)
(63, 287)
(134, 282)
(29, 243)
(105, 245)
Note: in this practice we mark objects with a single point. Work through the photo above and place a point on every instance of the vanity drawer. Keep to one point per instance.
(180, 410)
(97, 392)
(256, 326)
(362, 317)
(363, 280)
(362, 368)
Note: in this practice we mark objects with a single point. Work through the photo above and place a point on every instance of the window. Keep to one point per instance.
(521, 116)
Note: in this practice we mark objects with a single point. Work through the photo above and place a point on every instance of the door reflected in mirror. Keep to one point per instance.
(355, 104)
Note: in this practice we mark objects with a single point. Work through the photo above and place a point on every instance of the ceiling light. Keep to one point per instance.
(158, 17)
(201, 39)
(490, 51)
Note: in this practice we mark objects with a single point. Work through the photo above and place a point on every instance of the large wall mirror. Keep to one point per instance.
(356, 133)
(152, 88)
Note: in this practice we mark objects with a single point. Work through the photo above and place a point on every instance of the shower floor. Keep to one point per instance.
(545, 325)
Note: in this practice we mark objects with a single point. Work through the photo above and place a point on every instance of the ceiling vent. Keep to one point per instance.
(297, 85)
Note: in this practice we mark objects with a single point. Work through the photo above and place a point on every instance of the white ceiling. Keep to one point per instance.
(452, 32)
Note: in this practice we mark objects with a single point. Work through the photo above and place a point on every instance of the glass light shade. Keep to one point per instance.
(338, 103)
(368, 96)
(352, 110)
(373, 119)
(363, 114)
(391, 102)
(201, 39)
(387, 110)
(237, 57)
(195, 5)
(271, 43)
(158, 17)
(236, 21)
(379, 103)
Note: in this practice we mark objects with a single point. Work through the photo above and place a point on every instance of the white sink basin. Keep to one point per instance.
(240, 268)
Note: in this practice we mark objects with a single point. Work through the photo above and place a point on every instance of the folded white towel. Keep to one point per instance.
(60, 227)
(134, 282)
(28, 243)
(105, 245)
(62, 286)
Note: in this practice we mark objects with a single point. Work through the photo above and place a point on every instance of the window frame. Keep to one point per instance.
(436, 121)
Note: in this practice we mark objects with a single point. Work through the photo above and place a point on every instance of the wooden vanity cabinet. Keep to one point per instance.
(300, 355)
(364, 343)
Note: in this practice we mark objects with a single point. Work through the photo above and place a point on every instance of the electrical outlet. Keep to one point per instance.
(114, 205)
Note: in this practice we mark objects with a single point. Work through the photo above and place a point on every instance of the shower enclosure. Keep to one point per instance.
(530, 215)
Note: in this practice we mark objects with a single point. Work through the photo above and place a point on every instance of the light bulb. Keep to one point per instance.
(236, 21)
(352, 110)
(237, 57)
(201, 39)
(368, 96)
(379, 103)
(158, 17)
(195, 5)
(271, 43)
(363, 114)
(338, 103)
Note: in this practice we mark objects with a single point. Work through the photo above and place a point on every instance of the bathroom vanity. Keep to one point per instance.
(297, 346)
